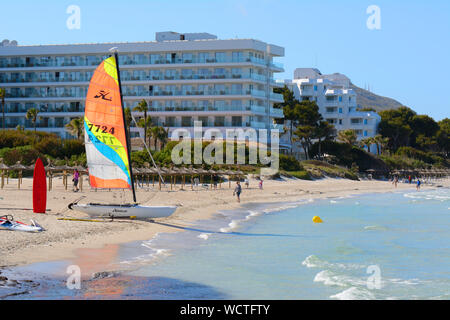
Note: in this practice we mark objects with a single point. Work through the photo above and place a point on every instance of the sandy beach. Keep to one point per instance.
(62, 239)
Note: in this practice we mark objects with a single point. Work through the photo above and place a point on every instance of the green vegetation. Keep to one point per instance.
(302, 175)
(320, 169)
(406, 140)
(305, 117)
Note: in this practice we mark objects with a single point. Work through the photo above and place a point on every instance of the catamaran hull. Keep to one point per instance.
(134, 211)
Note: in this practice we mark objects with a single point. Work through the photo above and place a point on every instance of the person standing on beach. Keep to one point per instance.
(409, 179)
(418, 184)
(247, 183)
(261, 184)
(237, 191)
(76, 177)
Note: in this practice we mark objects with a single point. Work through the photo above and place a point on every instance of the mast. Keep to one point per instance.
(125, 124)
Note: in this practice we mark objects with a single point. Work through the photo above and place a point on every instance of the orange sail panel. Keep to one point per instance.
(104, 125)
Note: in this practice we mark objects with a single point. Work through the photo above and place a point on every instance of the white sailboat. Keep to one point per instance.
(107, 146)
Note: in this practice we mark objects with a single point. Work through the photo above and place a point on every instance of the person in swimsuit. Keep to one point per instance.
(237, 191)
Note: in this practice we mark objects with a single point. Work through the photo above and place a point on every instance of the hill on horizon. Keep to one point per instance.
(367, 99)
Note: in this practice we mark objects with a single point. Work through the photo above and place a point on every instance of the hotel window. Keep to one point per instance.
(236, 72)
(340, 98)
(219, 121)
(203, 104)
(186, 89)
(140, 59)
(236, 104)
(219, 73)
(186, 73)
(220, 56)
(170, 121)
(170, 74)
(187, 57)
(203, 57)
(220, 104)
(204, 121)
(365, 133)
(219, 89)
(236, 121)
(365, 121)
(186, 121)
(155, 58)
(238, 56)
(340, 121)
(236, 88)
(340, 110)
(203, 73)
(155, 75)
(315, 88)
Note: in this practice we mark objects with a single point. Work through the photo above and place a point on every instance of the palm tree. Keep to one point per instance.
(347, 136)
(128, 118)
(76, 127)
(381, 142)
(143, 107)
(32, 114)
(324, 131)
(163, 136)
(367, 143)
(2, 97)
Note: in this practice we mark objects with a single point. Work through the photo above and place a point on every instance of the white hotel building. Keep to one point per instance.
(184, 78)
(335, 99)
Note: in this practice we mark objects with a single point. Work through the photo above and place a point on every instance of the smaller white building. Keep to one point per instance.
(335, 99)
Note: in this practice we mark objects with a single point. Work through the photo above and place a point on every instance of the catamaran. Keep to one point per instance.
(108, 146)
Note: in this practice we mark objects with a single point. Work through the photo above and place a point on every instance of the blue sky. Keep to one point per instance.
(408, 59)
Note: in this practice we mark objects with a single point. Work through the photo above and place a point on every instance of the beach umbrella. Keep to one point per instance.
(212, 173)
(49, 169)
(64, 168)
(18, 167)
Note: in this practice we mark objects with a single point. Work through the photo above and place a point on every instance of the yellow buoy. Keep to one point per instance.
(317, 219)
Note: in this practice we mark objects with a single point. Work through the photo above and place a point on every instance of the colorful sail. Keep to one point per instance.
(105, 137)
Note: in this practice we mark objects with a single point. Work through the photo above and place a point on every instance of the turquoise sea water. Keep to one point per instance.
(379, 246)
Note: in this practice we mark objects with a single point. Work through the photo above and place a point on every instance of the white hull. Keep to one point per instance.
(18, 226)
(124, 211)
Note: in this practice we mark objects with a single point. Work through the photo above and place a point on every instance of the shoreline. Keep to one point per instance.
(68, 240)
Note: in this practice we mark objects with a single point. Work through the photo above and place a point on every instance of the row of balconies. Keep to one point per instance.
(87, 78)
(146, 93)
(94, 61)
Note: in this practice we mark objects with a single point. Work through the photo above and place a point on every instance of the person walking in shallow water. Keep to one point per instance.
(237, 191)
(395, 182)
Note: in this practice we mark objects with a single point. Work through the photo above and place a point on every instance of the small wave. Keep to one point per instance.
(231, 226)
(410, 282)
(431, 195)
(330, 278)
(373, 228)
(204, 236)
(354, 293)
(313, 261)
